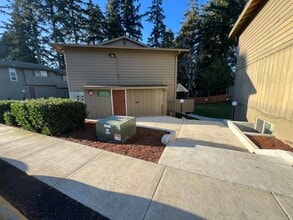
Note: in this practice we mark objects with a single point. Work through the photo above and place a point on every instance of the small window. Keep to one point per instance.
(41, 73)
(64, 77)
(12, 74)
(264, 127)
(268, 128)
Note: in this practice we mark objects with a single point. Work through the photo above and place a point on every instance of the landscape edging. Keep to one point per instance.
(252, 148)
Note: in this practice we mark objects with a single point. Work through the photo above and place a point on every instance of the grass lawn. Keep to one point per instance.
(217, 110)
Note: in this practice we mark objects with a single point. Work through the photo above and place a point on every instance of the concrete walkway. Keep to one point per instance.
(192, 180)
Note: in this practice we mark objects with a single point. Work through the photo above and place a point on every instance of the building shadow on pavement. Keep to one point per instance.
(75, 200)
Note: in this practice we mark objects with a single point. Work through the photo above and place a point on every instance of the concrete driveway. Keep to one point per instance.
(196, 178)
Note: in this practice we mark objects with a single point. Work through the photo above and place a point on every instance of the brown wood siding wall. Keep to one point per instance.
(264, 78)
(146, 102)
(95, 67)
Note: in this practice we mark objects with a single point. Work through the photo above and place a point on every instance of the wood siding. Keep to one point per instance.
(98, 107)
(93, 66)
(146, 102)
(264, 78)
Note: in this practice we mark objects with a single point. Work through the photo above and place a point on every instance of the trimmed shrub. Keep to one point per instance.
(49, 116)
(9, 118)
(4, 107)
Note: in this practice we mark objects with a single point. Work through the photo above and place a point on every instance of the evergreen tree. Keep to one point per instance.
(113, 22)
(187, 39)
(216, 21)
(75, 22)
(51, 10)
(206, 35)
(131, 19)
(217, 76)
(15, 39)
(168, 39)
(95, 24)
(33, 20)
(156, 16)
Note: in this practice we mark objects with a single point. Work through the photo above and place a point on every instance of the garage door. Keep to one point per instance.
(146, 102)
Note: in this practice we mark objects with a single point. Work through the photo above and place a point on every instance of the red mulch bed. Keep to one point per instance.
(145, 145)
(265, 142)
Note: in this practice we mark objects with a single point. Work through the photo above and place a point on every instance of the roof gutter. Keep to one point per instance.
(249, 12)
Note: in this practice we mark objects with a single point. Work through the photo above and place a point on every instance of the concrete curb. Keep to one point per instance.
(252, 148)
(167, 138)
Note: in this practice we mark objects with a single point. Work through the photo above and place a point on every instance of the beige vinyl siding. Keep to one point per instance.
(93, 66)
(264, 78)
(146, 102)
(269, 32)
(98, 107)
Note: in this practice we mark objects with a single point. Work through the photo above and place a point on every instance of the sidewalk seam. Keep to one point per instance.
(281, 206)
(73, 171)
(151, 200)
(35, 152)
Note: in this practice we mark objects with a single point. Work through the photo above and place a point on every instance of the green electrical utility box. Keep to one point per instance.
(116, 129)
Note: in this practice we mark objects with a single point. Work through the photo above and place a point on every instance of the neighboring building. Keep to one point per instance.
(19, 80)
(122, 77)
(264, 77)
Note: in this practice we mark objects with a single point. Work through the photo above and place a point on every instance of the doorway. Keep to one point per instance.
(32, 92)
(119, 104)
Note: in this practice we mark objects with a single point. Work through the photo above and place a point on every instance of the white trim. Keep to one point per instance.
(112, 102)
(12, 71)
(263, 126)
(125, 94)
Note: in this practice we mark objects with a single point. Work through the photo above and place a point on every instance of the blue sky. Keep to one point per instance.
(174, 10)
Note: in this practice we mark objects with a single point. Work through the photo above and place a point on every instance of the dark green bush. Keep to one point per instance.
(9, 118)
(49, 116)
(4, 107)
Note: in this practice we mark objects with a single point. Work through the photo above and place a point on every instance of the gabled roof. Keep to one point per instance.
(181, 88)
(109, 45)
(251, 9)
(26, 65)
(123, 38)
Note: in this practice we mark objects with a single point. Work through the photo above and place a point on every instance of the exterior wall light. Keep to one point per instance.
(234, 103)
(112, 55)
(181, 103)
(23, 94)
(90, 92)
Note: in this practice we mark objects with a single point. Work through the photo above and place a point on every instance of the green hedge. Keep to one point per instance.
(4, 107)
(9, 118)
(49, 116)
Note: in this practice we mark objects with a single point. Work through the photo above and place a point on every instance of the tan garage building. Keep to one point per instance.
(122, 77)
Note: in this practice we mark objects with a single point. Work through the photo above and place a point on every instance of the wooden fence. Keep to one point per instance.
(210, 99)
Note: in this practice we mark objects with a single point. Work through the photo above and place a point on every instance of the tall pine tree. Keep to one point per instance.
(113, 22)
(15, 39)
(131, 19)
(156, 16)
(216, 21)
(168, 39)
(187, 39)
(95, 24)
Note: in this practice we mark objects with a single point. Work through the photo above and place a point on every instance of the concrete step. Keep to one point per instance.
(258, 171)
